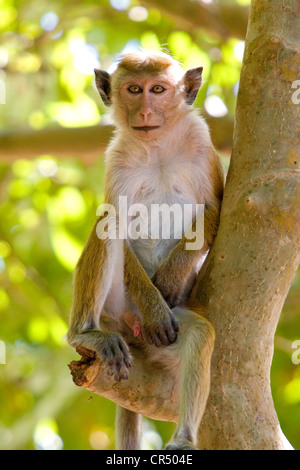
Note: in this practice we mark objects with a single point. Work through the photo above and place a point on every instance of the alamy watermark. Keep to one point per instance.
(2, 352)
(157, 222)
(296, 94)
(296, 354)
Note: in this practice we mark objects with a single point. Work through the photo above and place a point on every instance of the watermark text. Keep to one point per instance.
(155, 222)
(2, 352)
(296, 354)
(296, 94)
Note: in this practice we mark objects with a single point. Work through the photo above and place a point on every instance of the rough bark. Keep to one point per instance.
(257, 250)
(86, 143)
(222, 18)
(250, 268)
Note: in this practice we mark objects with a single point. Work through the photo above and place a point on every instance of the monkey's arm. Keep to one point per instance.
(92, 281)
(172, 275)
(159, 324)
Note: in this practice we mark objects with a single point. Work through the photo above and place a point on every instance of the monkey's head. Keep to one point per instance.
(149, 92)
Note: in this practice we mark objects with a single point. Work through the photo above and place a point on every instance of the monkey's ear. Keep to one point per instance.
(102, 79)
(192, 83)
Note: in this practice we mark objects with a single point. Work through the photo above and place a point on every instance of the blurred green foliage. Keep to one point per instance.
(47, 53)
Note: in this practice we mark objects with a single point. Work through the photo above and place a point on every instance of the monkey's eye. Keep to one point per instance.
(158, 89)
(135, 89)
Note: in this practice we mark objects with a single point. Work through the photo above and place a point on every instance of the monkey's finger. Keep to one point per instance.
(149, 337)
(163, 335)
(125, 351)
(118, 376)
(157, 340)
(174, 323)
(172, 336)
(172, 330)
(112, 357)
(127, 361)
(122, 370)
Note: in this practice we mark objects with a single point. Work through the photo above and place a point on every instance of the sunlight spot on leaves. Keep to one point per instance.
(291, 391)
(66, 248)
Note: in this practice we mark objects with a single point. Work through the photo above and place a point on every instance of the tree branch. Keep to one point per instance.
(249, 271)
(86, 143)
(223, 19)
(154, 396)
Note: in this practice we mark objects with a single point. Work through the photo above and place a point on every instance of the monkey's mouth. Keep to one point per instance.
(145, 128)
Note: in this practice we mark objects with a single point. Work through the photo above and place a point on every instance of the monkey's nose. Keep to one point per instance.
(145, 113)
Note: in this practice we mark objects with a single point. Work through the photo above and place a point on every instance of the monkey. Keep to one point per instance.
(161, 152)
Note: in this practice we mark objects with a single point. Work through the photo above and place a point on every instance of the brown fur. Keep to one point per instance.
(145, 63)
(161, 149)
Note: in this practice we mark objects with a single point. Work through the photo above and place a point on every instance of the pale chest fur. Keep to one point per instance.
(165, 190)
(172, 174)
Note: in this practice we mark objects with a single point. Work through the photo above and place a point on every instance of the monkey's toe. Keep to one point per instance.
(180, 444)
(162, 331)
(115, 356)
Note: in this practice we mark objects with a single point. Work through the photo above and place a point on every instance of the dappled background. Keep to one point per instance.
(53, 131)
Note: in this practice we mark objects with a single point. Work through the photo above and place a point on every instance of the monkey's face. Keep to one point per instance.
(149, 93)
(146, 105)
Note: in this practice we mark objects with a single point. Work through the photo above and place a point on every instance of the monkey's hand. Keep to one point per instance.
(114, 353)
(160, 326)
(169, 285)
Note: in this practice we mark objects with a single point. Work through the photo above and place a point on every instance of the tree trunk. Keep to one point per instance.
(253, 261)
(249, 270)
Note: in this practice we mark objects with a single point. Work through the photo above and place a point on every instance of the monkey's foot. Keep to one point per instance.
(180, 444)
(114, 353)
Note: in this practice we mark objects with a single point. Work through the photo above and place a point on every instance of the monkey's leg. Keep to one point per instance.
(128, 429)
(195, 346)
